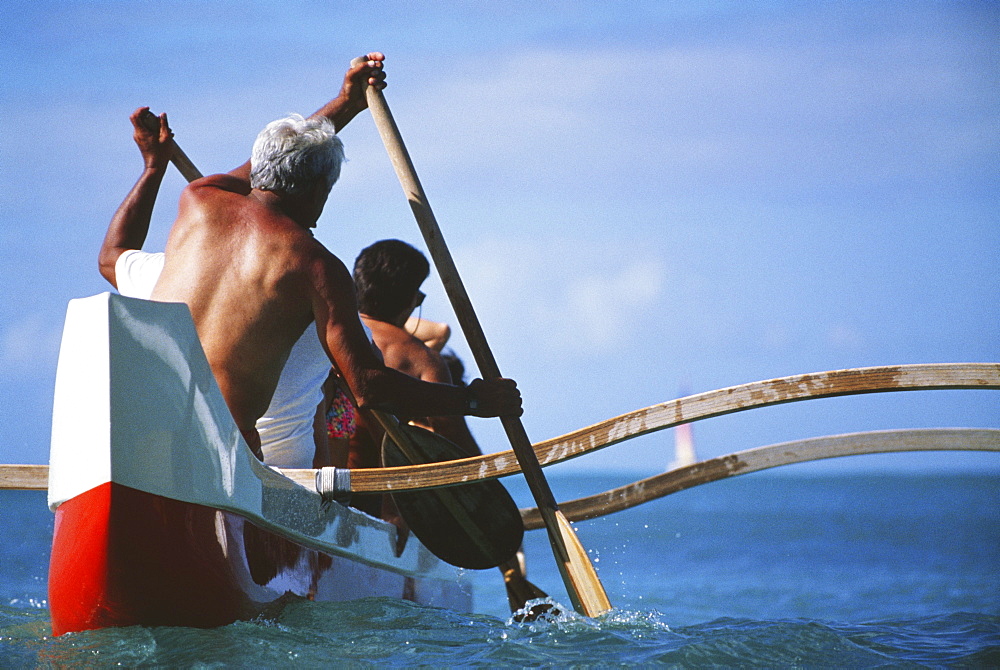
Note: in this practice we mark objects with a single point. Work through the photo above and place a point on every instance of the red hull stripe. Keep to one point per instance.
(122, 557)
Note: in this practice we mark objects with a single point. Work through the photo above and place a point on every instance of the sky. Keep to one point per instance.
(644, 199)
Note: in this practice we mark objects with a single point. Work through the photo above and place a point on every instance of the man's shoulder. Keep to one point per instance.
(313, 250)
(407, 353)
(427, 363)
(214, 183)
(387, 337)
(380, 329)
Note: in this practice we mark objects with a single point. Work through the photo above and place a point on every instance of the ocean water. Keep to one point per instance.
(771, 570)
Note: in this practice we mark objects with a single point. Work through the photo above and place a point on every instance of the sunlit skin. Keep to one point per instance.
(404, 351)
(130, 224)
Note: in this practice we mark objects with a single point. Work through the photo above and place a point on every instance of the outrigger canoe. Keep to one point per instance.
(163, 516)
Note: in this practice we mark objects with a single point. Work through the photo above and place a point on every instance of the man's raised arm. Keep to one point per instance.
(348, 103)
(130, 224)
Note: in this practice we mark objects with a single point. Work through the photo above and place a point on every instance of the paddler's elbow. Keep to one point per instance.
(107, 259)
(372, 392)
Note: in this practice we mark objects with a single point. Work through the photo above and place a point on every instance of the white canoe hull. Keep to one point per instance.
(156, 492)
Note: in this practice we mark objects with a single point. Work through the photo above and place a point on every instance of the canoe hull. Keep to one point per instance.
(163, 515)
(123, 557)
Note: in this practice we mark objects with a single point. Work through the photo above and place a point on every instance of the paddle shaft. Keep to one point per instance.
(578, 573)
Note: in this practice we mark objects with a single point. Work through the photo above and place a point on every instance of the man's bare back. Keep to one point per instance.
(241, 266)
(407, 353)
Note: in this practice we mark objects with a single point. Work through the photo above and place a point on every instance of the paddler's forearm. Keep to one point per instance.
(340, 111)
(130, 224)
(397, 393)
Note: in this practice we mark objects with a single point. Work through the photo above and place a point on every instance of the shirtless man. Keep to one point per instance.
(242, 256)
(293, 431)
(387, 277)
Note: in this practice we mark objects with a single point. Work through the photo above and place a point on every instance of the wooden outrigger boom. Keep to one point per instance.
(127, 477)
(775, 455)
(795, 388)
(24, 477)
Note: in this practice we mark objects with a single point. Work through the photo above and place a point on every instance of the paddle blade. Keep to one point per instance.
(475, 526)
(520, 591)
(586, 590)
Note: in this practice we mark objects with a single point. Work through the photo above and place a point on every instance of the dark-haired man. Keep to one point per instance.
(387, 277)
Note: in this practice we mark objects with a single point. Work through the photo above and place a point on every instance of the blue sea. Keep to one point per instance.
(774, 569)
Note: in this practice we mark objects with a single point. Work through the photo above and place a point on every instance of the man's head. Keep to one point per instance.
(387, 276)
(295, 155)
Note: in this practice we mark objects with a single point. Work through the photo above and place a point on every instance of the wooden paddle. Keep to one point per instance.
(468, 525)
(582, 583)
(177, 156)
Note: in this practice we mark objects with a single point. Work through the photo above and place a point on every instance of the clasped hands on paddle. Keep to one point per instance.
(496, 397)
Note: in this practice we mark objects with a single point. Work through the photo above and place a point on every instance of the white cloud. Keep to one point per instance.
(776, 337)
(573, 297)
(604, 307)
(844, 337)
(30, 344)
(772, 113)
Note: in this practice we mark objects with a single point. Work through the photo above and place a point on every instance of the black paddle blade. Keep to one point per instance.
(475, 526)
(519, 592)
